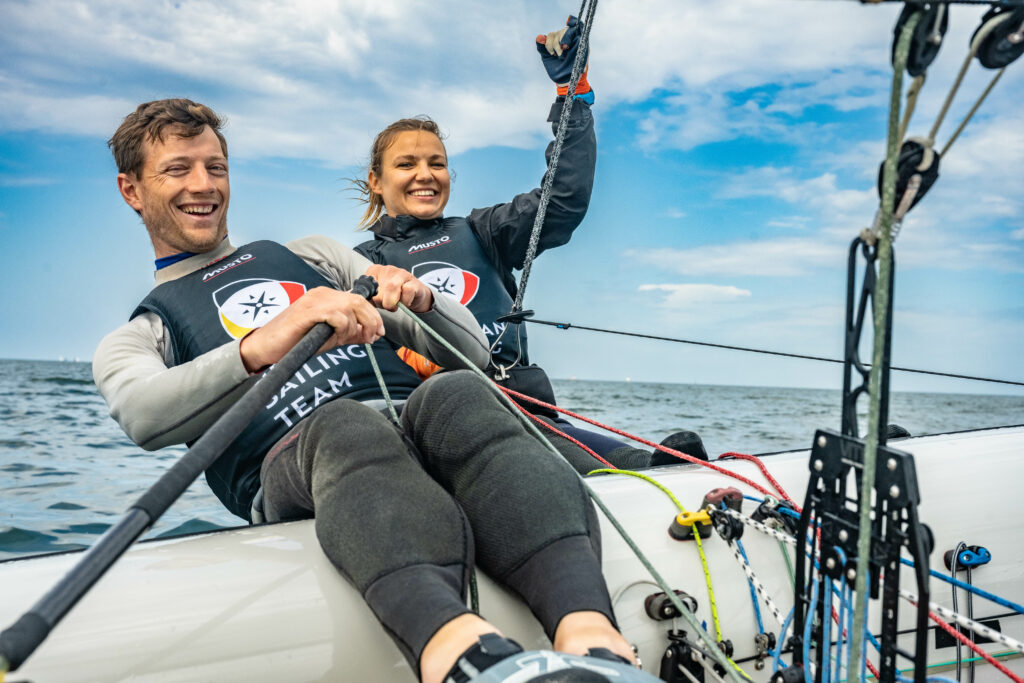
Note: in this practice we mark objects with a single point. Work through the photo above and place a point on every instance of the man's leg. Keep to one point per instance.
(389, 528)
(535, 528)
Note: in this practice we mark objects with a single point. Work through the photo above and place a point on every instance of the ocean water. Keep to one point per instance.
(68, 472)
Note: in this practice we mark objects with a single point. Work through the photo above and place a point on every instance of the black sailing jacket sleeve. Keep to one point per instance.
(504, 229)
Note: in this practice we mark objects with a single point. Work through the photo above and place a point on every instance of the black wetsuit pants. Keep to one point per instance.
(405, 524)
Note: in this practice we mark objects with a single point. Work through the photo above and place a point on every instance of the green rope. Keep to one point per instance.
(474, 594)
(690, 619)
(880, 312)
(383, 385)
(649, 480)
(789, 562)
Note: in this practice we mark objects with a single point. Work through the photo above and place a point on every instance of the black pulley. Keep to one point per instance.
(1006, 41)
(912, 154)
(927, 38)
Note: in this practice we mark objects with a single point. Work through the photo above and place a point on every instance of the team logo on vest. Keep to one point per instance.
(245, 305)
(448, 279)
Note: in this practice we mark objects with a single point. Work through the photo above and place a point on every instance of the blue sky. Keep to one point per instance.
(738, 146)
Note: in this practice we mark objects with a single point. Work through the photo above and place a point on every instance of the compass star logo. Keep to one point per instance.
(447, 279)
(247, 304)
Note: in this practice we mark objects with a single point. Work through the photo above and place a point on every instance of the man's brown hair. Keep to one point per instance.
(149, 122)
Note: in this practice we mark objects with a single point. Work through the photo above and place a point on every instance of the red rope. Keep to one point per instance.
(544, 424)
(767, 475)
(974, 646)
(678, 454)
(764, 470)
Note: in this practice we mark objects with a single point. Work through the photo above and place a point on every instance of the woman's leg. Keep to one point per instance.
(389, 528)
(535, 528)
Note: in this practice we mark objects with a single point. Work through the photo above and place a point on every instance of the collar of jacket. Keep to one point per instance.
(402, 227)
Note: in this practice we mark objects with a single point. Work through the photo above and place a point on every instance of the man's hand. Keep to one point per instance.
(354, 319)
(395, 284)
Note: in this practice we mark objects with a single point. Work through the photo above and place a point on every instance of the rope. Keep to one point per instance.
(880, 307)
(971, 624)
(586, 448)
(586, 15)
(759, 587)
(983, 33)
(753, 590)
(383, 385)
(678, 454)
(760, 526)
(563, 124)
(696, 538)
(970, 588)
(977, 650)
(764, 470)
(736, 675)
(566, 326)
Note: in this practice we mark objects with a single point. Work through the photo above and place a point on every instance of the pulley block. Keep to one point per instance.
(728, 527)
(1006, 41)
(659, 607)
(914, 159)
(927, 38)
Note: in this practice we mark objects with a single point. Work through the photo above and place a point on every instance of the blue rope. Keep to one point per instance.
(782, 640)
(807, 630)
(840, 640)
(970, 588)
(753, 591)
(826, 635)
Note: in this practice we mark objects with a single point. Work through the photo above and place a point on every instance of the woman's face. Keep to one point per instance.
(414, 176)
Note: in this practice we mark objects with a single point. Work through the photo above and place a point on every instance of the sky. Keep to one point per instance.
(739, 143)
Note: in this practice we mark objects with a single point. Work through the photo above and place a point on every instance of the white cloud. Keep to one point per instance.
(780, 257)
(24, 181)
(680, 296)
(1017, 234)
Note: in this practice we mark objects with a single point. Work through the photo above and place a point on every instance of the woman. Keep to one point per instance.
(471, 258)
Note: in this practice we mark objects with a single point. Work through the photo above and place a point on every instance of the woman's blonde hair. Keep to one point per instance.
(384, 139)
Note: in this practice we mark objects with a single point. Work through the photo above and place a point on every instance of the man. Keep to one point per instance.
(220, 315)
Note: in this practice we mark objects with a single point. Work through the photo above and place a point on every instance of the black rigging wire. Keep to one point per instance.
(566, 326)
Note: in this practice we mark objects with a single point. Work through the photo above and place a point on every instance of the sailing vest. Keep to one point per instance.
(446, 255)
(228, 298)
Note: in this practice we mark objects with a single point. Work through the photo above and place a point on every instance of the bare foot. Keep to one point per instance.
(450, 641)
(580, 631)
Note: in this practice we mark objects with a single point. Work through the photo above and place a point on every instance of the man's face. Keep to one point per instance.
(182, 192)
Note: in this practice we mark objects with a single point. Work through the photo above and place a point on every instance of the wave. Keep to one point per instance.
(17, 541)
(65, 381)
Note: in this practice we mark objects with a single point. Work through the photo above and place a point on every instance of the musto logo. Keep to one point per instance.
(247, 304)
(445, 278)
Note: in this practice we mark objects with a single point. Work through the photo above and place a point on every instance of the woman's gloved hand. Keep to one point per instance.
(558, 54)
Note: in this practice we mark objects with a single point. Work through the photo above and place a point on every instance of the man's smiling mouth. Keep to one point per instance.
(198, 209)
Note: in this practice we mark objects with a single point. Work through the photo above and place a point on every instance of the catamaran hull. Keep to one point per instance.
(263, 604)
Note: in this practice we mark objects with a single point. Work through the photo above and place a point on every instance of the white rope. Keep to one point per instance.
(967, 623)
(763, 528)
(758, 586)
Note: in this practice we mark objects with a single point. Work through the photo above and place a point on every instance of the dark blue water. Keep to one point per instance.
(67, 472)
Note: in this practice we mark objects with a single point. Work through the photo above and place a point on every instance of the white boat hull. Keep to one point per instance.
(263, 603)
